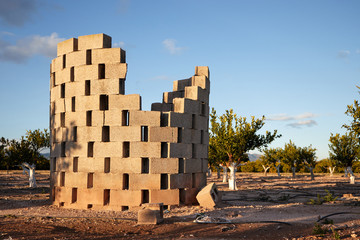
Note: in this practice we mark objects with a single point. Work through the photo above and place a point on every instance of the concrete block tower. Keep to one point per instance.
(106, 153)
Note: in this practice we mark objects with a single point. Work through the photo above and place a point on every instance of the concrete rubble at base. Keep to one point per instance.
(106, 153)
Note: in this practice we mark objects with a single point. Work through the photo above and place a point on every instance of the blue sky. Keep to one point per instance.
(296, 62)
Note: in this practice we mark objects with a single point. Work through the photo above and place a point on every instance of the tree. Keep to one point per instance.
(344, 149)
(353, 111)
(232, 137)
(290, 156)
(270, 159)
(308, 155)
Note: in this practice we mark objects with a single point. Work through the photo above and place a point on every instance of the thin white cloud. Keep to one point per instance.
(30, 46)
(170, 45)
(4, 33)
(17, 12)
(299, 124)
(286, 117)
(343, 54)
(119, 44)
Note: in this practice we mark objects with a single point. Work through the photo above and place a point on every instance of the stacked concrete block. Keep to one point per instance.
(106, 153)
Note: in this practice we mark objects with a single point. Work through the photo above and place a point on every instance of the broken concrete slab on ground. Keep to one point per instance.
(209, 196)
(152, 213)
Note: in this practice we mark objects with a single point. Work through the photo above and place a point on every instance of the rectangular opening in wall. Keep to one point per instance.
(104, 102)
(106, 134)
(62, 179)
(202, 108)
(90, 180)
(164, 120)
(193, 149)
(72, 74)
(181, 165)
(87, 88)
(75, 164)
(126, 149)
(90, 149)
(62, 119)
(202, 136)
(101, 71)
(89, 206)
(88, 57)
(144, 165)
(124, 208)
(164, 150)
(125, 118)
(125, 181)
(73, 104)
(164, 181)
(61, 204)
(193, 121)
(193, 180)
(88, 118)
(75, 134)
(182, 195)
(122, 86)
(62, 90)
(106, 165)
(62, 150)
(144, 133)
(53, 79)
(74, 195)
(54, 165)
(145, 196)
(64, 61)
(179, 140)
(53, 194)
(106, 197)
(53, 108)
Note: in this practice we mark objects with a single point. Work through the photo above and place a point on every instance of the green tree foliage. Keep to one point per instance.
(353, 111)
(344, 149)
(231, 137)
(39, 140)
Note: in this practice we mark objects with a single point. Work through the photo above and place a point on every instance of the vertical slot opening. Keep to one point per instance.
(182, 195)
(88, 118)
(104, 102)
(164, 119)
(62, 90)
(62, 150)
(75, 164)
(62, 179)
(122, 86)
(144, 165)
(53, 194)
(88, 57)
(193, 121)
(106, 197)
(72, 74)
(125, 118)
(74, 195)
(193, 150)
(144, 196)
(87, 88)
(73, 104)
(164, 150)
(53, 79)
(62, 119)
(125, 181)
(90, 149)
(64, 61)
(144, 133)
(75, 134)
(106, 165)
(90, 180)
(54, 165)
(202, 136)
(181, 165)
(126, 149)
(202, 108)
(179, 140)
(101, 71)
(106, 133)
(164, 181)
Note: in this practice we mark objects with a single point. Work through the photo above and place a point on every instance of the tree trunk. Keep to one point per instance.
(293, 172)
(278, 170)
(232, 179)
(312, 173)
(331, 169)
(225, 175)
(218, 172)
(345, 172)
(209, 172)
(350, 171)
(265, 169)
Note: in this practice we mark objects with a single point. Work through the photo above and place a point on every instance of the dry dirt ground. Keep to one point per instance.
(264, 207)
